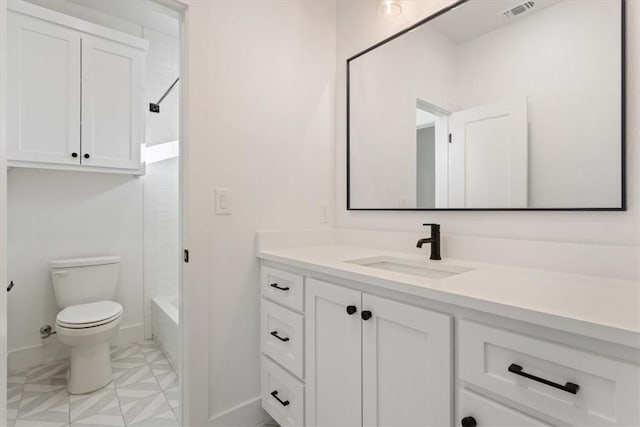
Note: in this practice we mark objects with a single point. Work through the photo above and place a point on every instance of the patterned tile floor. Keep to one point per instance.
(144, 392)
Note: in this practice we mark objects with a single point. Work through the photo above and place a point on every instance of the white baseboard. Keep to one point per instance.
(51, 349)
(249, 413)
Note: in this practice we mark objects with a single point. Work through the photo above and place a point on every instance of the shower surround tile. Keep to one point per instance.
(144, 393)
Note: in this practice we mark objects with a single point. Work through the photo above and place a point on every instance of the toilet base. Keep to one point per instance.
(89, 369)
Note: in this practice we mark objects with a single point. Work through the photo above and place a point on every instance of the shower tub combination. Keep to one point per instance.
(164, 312)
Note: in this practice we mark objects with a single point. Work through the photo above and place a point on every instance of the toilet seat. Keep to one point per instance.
(91, 315)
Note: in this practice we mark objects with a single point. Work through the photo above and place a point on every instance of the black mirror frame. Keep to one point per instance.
(623, 156)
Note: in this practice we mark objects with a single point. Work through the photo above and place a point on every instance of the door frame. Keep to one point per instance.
(3, 214)
(193, 300)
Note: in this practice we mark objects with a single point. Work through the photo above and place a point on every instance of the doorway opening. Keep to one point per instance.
(103, 221)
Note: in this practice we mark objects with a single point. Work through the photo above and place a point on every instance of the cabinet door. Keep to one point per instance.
(112, 109)
(406, 365)
(333, 356)
(43, 97)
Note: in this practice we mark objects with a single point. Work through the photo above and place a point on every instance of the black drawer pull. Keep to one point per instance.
(275, 334)
(275, 285)
(11, 284)
(366, 315)
(568, 387)
(275, 396)
(351, 309)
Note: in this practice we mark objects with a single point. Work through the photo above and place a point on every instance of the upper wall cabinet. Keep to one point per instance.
(75, 93)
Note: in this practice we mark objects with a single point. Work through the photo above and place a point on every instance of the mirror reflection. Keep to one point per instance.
(491, 105)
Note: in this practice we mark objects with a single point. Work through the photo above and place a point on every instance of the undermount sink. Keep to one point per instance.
(412, 267)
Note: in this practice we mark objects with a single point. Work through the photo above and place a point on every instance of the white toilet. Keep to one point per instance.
(84, 289)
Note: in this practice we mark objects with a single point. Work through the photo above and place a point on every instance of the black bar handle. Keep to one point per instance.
(274, 393)
(11, 285)
(568, 387)
(275, 285)
(275, 334)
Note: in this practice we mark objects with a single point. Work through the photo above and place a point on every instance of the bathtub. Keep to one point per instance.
(164, 315)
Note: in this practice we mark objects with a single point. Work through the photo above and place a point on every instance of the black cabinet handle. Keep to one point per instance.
(11, 285)
(74, 155)
(469, 422)
(275, 285)
(351, 309)
(86, 156)
(568, 387)
(366, 315)
(275, 334)
(275, 396)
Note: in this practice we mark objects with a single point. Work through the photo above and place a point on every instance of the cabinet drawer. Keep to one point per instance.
(283, 287)
(282, 336)
(282, 395)
(607, 392)
(487, 412)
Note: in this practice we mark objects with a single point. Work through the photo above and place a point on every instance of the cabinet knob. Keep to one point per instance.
(366, 315)
(86, 156)
(351, 309)
(74, 155)
(469, 422)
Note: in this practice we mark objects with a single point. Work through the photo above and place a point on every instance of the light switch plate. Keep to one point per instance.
(223, 201)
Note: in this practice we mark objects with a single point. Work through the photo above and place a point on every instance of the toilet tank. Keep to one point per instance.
(84, 280)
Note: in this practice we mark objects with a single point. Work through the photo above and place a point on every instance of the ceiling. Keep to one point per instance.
(477, 17)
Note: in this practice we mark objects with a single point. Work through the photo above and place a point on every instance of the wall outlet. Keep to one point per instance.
(223, 201)
(324, 213)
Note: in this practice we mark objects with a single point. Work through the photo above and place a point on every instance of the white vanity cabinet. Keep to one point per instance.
(368, 361)
(362, 352)
(74, 93)
(375, 362)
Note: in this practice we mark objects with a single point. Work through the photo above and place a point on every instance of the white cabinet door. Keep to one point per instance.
(112, 108)
(43, 99)
(406, 365)
(333, 356)
(488, 156)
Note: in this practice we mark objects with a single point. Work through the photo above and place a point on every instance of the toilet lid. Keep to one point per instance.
(89, 315)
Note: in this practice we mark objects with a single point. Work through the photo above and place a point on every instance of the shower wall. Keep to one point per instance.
(162, 68)
(161, 197)
(161, 234)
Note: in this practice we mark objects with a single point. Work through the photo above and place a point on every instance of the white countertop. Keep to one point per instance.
(597, 307)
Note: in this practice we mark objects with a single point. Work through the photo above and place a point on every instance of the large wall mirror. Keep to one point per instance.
(498, 105)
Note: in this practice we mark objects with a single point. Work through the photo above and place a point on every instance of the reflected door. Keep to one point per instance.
(488, 156)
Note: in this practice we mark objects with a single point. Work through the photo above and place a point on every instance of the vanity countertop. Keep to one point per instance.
(597, 307)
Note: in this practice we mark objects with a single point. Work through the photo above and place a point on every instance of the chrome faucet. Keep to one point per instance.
(434, 240)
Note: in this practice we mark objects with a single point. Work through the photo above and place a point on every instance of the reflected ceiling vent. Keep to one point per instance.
(519, 9)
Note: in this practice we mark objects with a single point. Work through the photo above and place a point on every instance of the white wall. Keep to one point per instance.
(261, 124)
(61, 214)
(359, 26)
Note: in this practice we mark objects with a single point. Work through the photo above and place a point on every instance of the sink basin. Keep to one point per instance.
(432, 270)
